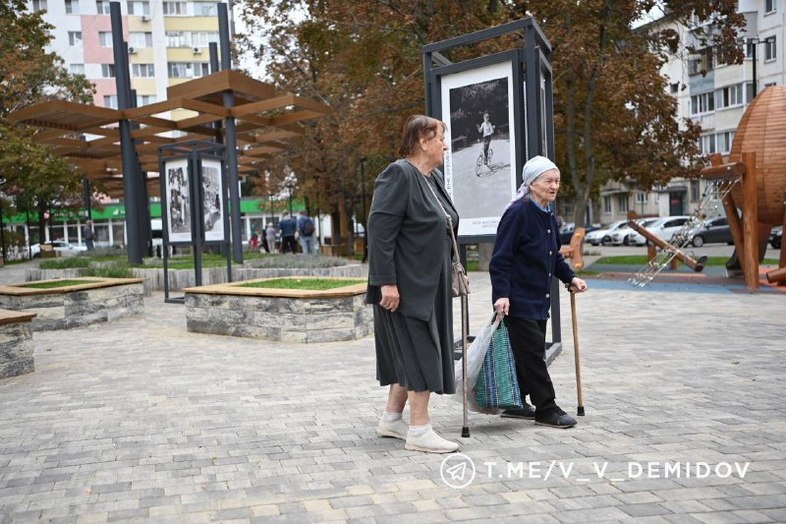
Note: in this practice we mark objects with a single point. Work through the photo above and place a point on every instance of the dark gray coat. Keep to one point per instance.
(406, 238)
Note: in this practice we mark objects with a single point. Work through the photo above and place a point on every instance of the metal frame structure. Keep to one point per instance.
(533, 112)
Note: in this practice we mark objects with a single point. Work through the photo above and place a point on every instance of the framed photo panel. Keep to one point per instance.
(478, 105)
(213, 200)
(178, 201)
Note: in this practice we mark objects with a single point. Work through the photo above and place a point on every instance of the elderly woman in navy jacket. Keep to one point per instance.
(409, 284)
(526, 256)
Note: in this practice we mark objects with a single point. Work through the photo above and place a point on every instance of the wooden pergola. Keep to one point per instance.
(88, 136)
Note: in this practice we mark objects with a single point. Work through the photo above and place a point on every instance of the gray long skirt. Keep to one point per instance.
(415, 354)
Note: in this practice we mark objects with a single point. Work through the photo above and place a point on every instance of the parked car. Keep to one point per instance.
(666, 227)
(711, 231)
(637, 239)
(776, 237)
(567, 230)
(66, 248)
(603, 235)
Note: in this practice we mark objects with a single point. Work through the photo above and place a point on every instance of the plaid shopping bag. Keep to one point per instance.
(497, 385)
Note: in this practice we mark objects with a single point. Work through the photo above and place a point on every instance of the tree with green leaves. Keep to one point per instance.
(29, 74)
(614, 119)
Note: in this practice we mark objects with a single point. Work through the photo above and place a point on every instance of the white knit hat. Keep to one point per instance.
(535, 166)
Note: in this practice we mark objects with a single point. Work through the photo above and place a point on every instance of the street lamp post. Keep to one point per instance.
(363, 203)
(270, 199)
(319, 221)
(290, 186)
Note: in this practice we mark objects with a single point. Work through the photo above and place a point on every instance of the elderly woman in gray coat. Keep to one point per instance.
(409, 284)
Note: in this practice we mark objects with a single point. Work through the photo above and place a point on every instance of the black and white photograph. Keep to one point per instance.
(213, 201)
(477, 106)
(178, 201)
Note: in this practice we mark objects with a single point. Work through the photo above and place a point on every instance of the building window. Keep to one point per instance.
(139, 39)
(622, 202)
(769, 6)
(77, 69)
(110, 101)
(102, 7)
(730, 96)
(703, 103)
(74, 38)
(203, 38)
(205, 9)
(674, 88)
(188, 69)
(724, 141)
(641, 197)
(707, 144)
(143, 100)
(105, 38)
(72, 7)
(39, 5)
(174, 8)
(108, 70)
(694, 191)
(139, 8)
(176, 39)
(143, 70)
(607, 204)
(770, 49)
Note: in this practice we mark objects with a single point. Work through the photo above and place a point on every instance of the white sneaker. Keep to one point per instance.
(397, 429)
(430, 442)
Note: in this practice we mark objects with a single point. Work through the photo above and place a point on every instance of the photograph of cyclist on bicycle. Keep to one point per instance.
(487, 129)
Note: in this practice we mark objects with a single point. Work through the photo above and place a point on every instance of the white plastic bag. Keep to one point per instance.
(476, 352)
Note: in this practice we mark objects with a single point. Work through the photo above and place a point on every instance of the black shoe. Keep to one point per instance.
(557, 419)
(526, 412)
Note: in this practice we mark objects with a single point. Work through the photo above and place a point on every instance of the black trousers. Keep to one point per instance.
(528, 341)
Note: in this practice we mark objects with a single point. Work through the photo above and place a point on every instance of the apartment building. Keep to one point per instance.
(714, 94)
(167, 42)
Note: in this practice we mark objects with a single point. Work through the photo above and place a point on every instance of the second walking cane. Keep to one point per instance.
(577, 354)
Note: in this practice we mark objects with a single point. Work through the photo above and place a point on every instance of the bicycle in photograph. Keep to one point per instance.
(484, 168)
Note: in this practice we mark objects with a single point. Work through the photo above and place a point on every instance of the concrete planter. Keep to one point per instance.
(97, 300)
(16, 344)
(285, 315)
(180, 279)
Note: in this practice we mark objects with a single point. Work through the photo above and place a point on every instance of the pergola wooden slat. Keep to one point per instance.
(265, 119)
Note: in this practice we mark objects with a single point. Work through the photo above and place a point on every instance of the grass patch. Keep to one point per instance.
(59, 283)
(309, 284)
(640, 260)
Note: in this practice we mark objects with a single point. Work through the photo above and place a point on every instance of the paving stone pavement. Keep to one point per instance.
(138, 420)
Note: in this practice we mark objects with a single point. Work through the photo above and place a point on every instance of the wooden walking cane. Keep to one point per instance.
(464, 330)
(577, 357)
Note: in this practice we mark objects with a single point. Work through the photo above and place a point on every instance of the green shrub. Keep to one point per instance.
(113, 270)
(65, 263)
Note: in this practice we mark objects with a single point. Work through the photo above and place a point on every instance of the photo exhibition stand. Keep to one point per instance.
(193, 204)
(499, 113)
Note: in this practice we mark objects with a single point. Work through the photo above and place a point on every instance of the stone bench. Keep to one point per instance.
(98, 299)
(16, 343)
(287, 315)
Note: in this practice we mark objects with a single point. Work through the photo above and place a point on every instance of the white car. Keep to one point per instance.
(603, 235)
(637, 239)
(665, 227)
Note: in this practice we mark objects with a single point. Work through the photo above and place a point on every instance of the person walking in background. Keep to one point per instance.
(306, 230)
(88, 235)
(409, 279)
(288, 226)
(526, 255)
(486, 128)
(270, 236)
